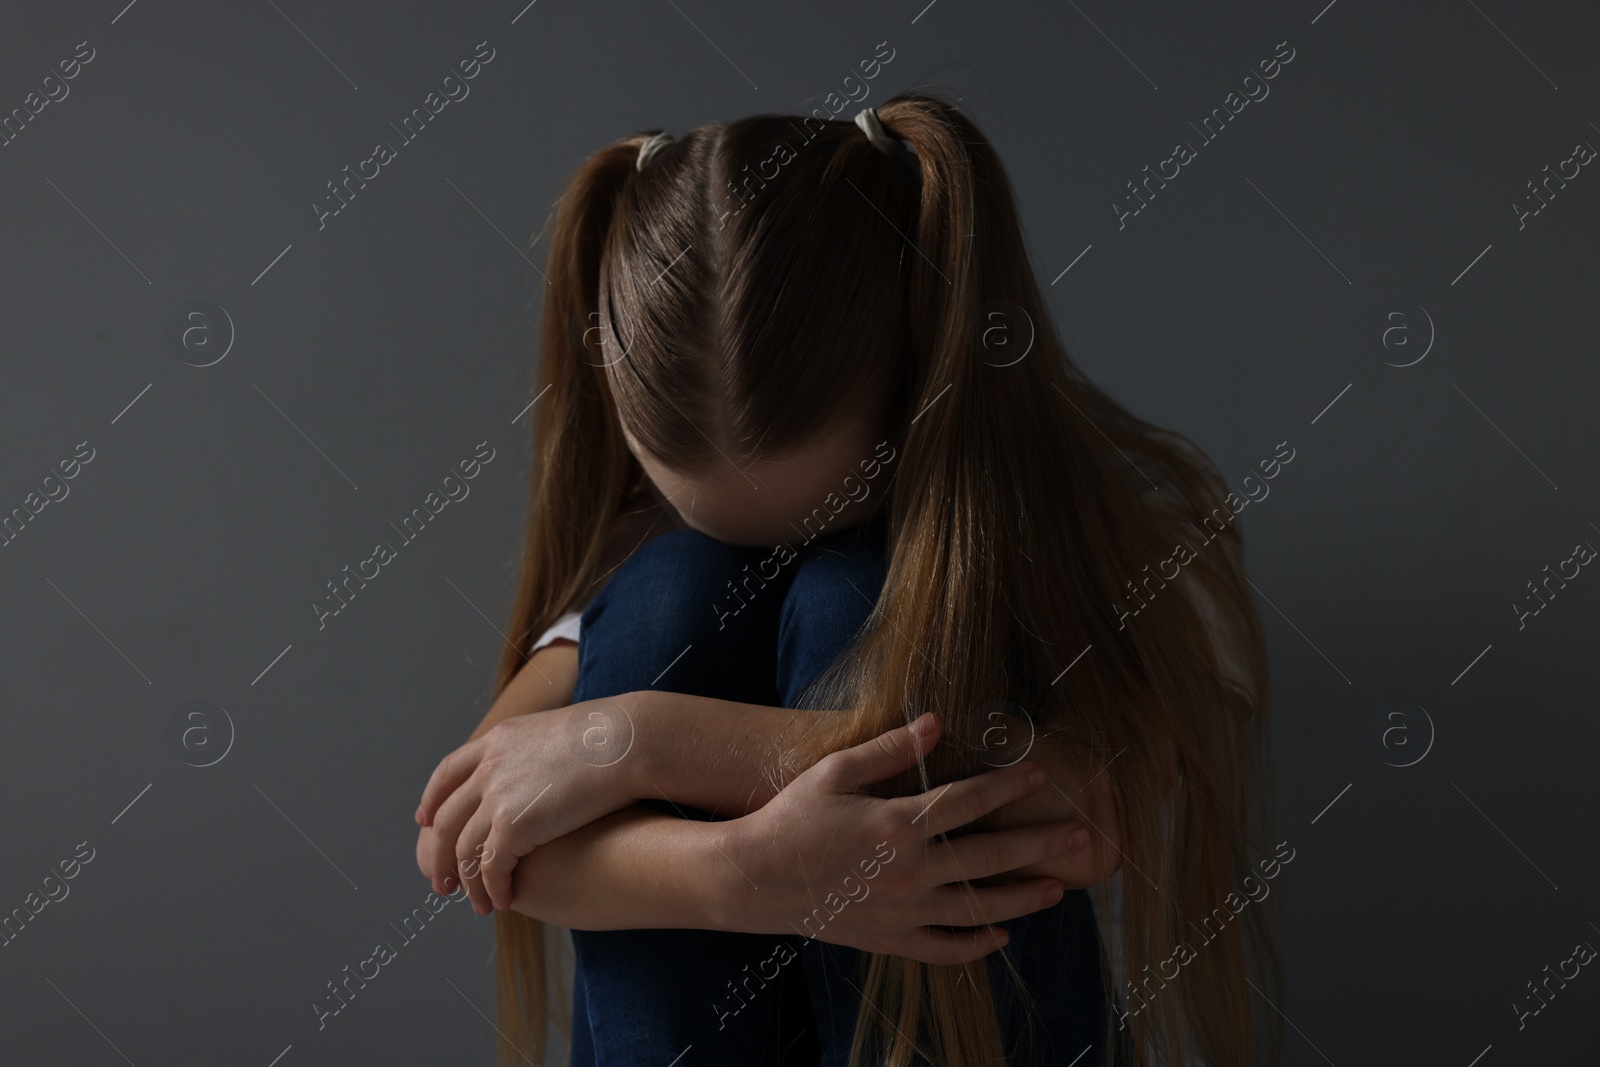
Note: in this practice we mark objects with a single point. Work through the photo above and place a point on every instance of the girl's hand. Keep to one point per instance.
(829, 862)
(528, 780)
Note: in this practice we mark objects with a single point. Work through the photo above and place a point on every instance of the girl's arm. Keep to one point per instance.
(722, 759)
(794, 865)
(533, 779)
(820, 859)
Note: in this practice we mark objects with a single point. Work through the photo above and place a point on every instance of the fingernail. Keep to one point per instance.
(1077, 838)
(1053, 894)
(418, 815)
(922, 725)
(1036, 778)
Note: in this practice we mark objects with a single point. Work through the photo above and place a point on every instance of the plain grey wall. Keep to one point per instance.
(1378, 177)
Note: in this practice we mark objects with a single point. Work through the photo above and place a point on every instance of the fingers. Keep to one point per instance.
(983, 855)
(447, 824)
(425, 851)
(931, 945)
(883, 757)
(470, 853)
(454, 769)
(496, 868)
(947, 807)
(950, 906)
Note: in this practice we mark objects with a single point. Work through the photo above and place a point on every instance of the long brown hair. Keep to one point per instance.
(757, 273)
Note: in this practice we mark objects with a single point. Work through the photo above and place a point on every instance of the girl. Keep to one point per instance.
(802, 333)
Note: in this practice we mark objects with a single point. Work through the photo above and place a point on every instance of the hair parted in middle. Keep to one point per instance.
(759, 283)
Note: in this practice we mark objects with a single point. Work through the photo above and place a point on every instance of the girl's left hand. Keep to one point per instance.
(528, 780)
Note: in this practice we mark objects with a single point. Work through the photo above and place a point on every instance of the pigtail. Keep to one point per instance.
(583, 476)
(1024, 504)
(937, 551)
(995, 585)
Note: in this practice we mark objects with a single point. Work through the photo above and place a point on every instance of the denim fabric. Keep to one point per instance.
(667, 620)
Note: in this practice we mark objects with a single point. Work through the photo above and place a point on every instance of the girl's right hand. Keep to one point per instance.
(829, 862)
(526, 781)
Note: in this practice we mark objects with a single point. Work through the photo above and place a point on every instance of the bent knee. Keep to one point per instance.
(674, 594)
(669, 582)
(834, 590)
(838, 579)
(685, 586)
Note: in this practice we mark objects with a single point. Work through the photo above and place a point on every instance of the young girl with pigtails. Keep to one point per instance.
(819, 730)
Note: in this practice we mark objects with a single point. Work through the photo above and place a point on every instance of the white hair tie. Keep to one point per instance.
(650, 147)
(890, 145)
(867, 119)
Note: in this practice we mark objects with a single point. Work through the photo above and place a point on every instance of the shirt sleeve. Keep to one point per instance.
(1230, 658)
(566, 627)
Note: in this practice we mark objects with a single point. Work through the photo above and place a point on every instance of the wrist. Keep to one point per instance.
(735, 887)
(645, 773)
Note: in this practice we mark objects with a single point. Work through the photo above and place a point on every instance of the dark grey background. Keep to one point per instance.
(1249, 295)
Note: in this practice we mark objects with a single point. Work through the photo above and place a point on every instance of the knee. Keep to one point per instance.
(667, 588)
(829, 601)
(666, 599)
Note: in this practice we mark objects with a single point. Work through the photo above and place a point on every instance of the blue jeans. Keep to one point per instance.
(690, 614)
